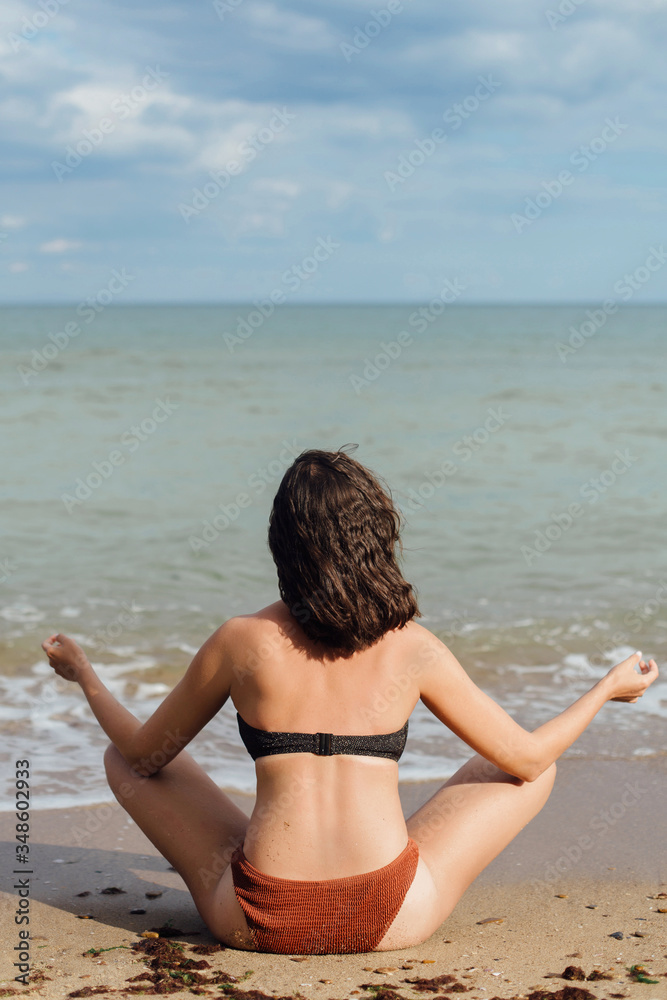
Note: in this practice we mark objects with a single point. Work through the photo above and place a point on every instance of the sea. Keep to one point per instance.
(525, 447)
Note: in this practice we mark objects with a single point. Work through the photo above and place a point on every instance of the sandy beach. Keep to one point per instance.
(591, 865)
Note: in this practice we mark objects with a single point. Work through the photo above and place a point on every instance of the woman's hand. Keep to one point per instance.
(626, 683)
(65, 656)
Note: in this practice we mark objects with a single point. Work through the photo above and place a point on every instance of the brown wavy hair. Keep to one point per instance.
(333, 532)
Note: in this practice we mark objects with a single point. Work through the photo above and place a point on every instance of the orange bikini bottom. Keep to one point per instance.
(329, 917)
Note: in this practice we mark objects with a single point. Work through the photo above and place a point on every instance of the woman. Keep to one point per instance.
(324, 681)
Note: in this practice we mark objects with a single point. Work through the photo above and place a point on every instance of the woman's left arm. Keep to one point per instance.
(197, 697)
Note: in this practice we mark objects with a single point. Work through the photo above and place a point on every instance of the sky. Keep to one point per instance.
(202, 151)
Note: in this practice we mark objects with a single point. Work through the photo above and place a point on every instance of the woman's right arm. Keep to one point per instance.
(198, 696)
(472, 715)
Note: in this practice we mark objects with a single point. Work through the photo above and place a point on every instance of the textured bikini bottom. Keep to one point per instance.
(332, 916)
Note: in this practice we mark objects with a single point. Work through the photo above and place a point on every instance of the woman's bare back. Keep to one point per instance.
(331, 816)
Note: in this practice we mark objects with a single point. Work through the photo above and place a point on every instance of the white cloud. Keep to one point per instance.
(338, 193)
(268, 224)
(17, 109)
(598, 46)
(59, 246)
(493, 47)
(12, 221)
(12, 12)
(347, 122)
(289, 189)
(221, 146)
(18, 267)
(38, 58)
(202, 134)
(630, 6)
(289, 29)
(84, 105)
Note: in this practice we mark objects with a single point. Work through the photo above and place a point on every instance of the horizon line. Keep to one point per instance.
(248, 303)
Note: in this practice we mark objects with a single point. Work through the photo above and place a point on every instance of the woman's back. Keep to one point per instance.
(320, 817)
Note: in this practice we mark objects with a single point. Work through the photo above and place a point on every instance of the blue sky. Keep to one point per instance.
(207, 148)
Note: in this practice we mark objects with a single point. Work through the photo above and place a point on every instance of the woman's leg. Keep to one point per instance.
(195, 826)
(460, 830)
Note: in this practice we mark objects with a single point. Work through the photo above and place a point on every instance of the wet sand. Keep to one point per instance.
(592, 864)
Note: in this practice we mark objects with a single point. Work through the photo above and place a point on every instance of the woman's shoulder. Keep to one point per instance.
(417, 636)
(274, 628)
(272, 615)
(254, 626)
(421, 648)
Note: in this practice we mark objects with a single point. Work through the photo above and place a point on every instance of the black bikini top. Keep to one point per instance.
(260, 743)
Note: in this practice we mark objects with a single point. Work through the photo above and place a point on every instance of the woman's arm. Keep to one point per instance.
(452, 696)
(197, 697)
